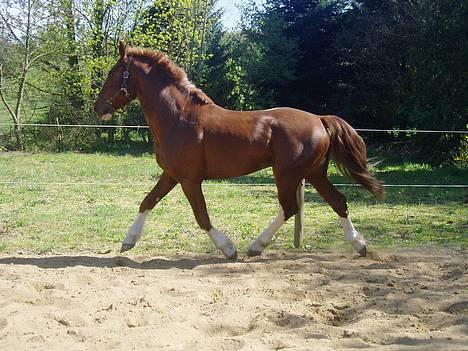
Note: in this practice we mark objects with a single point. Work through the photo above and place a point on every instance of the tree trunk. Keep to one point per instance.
(202, 48)
(97, 47)
(19, 138)
(111, 135)
(73, 77)
(17, 115)
(16, 121)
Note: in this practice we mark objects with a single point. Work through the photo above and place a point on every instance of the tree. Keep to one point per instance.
(408, 68)
(85, 36)
(181, 29)
(23, 21)
(298, 35)
(241, 75)
(287, 47)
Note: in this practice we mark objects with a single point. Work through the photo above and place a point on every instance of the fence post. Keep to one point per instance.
(299, 218)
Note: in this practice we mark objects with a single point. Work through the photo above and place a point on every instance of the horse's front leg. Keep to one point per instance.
(164, 185)
(194, 194)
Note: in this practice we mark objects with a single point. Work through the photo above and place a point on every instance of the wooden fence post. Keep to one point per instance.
(299, 218)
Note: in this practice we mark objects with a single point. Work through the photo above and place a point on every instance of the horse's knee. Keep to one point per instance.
(289, 204)
(340, 205)
(290, 211)
(290, 207)
(149, 202)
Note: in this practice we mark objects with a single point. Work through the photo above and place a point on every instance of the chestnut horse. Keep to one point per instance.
(195, 139)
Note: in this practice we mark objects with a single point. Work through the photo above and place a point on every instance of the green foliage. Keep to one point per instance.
(406, 66)
(257, 60)
(235, 89)
(180, 28)
(378, 64)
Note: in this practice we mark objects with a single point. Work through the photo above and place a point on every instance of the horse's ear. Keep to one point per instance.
(122, 49)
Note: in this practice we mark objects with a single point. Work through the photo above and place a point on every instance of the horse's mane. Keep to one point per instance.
(174, 72)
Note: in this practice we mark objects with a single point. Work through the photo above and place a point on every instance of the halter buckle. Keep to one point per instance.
(125, 91)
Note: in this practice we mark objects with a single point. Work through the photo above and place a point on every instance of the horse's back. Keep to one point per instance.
(259, 123)
(240, 142)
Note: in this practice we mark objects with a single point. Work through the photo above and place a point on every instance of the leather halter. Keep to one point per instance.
(123, 87)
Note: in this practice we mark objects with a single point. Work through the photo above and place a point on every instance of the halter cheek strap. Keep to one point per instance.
(124, 86)
(126, 75)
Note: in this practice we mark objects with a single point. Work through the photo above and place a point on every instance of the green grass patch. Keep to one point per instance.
(70, 202)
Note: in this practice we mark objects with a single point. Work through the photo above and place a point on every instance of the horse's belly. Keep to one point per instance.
(226, 162)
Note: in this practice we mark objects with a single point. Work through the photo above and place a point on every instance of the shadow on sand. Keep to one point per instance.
(162, 263)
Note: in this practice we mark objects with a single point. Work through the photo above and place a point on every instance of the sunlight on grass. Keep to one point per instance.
(74, 202)
(409, 167)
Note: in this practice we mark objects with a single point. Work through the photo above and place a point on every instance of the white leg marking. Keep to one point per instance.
(265, 238)
(223, 242)
(352, 235)
(136, 229)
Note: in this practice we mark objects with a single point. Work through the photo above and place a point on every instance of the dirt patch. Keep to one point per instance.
(414, 300)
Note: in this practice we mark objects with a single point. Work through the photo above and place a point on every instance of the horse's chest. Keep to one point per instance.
(181, 160)
(160, 159)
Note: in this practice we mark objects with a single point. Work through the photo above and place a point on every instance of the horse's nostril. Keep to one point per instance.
(100, 108)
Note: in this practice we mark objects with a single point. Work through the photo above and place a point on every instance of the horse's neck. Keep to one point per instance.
(161, 106)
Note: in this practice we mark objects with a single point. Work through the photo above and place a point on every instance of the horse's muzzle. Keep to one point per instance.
(106, 117)
(103, 109)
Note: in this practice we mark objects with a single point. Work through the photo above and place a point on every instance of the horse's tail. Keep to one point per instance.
(350, 154)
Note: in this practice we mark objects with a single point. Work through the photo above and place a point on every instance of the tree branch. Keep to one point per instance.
(41, 89)
(85, 16)
(10, 29)
(35, 58)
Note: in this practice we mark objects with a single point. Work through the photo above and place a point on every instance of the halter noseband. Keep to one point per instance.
(123, 87)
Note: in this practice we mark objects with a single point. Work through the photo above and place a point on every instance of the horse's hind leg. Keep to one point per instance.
(287, 197)
(164, 185)
(194, 194)
(338, 202)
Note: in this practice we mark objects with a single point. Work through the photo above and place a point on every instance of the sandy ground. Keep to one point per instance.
(409, 300)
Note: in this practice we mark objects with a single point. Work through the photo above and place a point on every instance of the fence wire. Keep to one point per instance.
(48, 125)
(108, 126)
(128, 185)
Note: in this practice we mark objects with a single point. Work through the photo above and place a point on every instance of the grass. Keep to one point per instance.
(46, 210)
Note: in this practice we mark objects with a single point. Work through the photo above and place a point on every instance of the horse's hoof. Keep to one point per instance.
(126, 247)
(253, 253)
(232, 257)
(363, 251)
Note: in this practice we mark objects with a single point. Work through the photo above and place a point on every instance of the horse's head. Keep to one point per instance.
(119, 88)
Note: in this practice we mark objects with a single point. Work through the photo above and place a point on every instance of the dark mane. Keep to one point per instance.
(173, 71)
